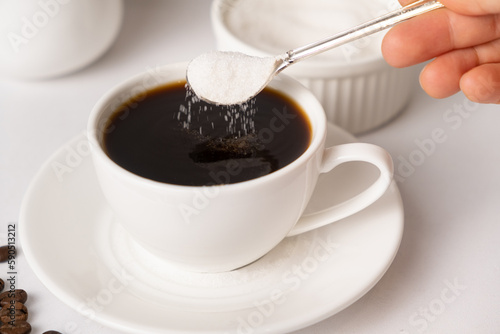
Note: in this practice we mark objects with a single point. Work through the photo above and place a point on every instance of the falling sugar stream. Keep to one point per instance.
(198, 116)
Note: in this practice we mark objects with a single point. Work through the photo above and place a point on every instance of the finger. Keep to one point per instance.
(467, 7)
(482, 84)
(406, 2)
(441, 78)
(473, 7)
(428, 36)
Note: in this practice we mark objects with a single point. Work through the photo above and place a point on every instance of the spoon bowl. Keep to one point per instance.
(228, 78)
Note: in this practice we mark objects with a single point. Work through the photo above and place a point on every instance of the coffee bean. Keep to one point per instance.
(18, 327)
(4, 253)
(18, 295)
(13, 312)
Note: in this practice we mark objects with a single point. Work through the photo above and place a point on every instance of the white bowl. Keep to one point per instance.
(357, 88)
(45, 39)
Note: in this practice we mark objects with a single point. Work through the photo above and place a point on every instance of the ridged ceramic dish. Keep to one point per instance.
(357, 88)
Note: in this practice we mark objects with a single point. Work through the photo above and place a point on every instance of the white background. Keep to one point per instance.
(450, 183)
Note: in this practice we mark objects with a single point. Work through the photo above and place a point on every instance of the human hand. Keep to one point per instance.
(463, 39)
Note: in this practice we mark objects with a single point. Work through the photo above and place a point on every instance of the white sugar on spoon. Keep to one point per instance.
(233, 77)
(229, 77)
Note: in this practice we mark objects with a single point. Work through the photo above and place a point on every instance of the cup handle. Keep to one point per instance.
(333, 157)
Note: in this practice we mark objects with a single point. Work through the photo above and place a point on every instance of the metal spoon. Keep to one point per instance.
(231, 86)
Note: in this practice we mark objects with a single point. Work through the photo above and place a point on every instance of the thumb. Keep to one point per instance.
(467, 7)
(473, 7)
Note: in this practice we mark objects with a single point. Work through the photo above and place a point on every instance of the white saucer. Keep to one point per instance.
(74, 246)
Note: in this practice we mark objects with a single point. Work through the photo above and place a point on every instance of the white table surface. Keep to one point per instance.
(446, 276)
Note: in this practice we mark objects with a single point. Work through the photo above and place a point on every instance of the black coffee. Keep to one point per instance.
(167, 135)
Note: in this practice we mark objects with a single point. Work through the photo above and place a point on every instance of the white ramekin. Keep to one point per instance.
(357, 94)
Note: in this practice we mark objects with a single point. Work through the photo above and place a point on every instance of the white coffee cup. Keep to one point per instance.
(224, 227)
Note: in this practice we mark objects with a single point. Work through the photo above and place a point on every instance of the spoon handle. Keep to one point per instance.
(383, 22)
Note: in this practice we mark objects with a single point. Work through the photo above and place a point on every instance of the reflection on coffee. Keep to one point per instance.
(164, 135)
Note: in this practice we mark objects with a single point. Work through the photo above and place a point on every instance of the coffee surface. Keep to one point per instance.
(164, 135)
